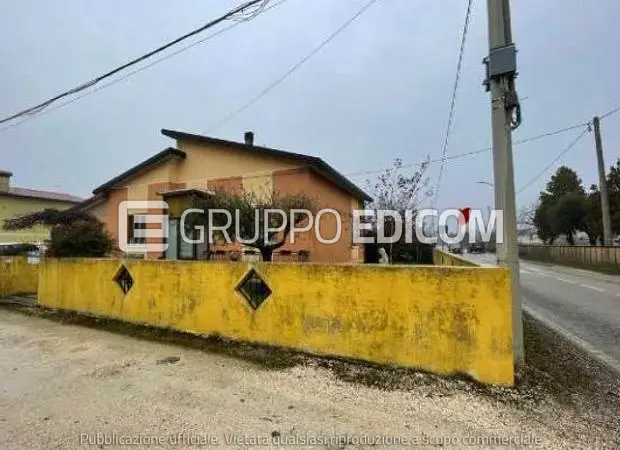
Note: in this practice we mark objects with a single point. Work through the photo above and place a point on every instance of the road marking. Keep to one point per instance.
(594, 288)
(565, 280)
(582, 271)
(539, 273)
(525, 271)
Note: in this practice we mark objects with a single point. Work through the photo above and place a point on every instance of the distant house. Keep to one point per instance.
(15, 201)
(528, 235)
(198, 164)
(579, 238)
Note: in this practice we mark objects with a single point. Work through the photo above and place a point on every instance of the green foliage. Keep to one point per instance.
(49, 217)
(565, 207)
(562, 208)
(613, 187)
(73, 233)
(412, 253)
(543, 220)
(79, 239)
(594, 222)
(569, 215)
(565, 181)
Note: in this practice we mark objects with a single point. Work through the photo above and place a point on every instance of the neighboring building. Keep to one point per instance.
(527, 235)
(579, 238)
(15, 201)
(199, 164)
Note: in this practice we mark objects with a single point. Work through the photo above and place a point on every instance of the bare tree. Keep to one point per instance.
(526, 216)
(400, 190)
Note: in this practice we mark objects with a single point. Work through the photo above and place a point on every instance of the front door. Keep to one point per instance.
(179, 248)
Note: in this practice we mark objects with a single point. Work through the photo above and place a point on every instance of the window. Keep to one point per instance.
(135, 222)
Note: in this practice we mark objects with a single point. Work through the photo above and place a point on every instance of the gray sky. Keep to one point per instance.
(380, 90)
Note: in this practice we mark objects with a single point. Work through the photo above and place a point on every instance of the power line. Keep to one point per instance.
(141, 69)
(419, 164)
(289, 72)
(476, 152)
(235, 11)
(610, 113)
(557, 158)
(551, 133)
(457, 79)
(566, 150)
(488, 149)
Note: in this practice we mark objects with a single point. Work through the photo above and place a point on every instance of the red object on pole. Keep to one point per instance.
(464, 218)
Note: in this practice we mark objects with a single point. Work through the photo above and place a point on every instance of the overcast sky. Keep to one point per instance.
(379, 91)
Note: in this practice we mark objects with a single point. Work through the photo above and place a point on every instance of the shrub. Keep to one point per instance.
(73, 233)
(79, 239)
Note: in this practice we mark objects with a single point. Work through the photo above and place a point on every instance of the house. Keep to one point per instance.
(198, 164)
(527, 235)
(16, 201)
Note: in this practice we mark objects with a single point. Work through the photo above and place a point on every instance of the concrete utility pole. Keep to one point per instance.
(602, 182)
(501, 65)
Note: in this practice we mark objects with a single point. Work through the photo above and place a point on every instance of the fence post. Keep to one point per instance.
(584, 255)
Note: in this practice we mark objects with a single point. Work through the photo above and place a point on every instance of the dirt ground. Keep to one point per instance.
(64, 386)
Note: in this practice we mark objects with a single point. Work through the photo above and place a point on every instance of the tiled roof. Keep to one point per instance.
(45, 195)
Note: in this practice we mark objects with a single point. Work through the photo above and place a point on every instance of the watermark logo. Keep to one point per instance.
(388, 227)
(140, 231)
(268, 225)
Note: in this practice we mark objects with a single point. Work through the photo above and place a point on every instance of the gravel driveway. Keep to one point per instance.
(67, 386)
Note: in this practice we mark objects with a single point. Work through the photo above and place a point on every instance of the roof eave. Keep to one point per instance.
(89, 203)
(154, 160)
(340, 180)
(38, 197)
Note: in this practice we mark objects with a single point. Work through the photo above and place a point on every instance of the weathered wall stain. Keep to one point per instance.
(18, 276)
(444, 320)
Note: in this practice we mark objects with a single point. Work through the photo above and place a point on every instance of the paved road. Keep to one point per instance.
(582, 303)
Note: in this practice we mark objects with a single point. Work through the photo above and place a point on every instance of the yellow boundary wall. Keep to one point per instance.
(18, 276)
(441, 319)
(444, 258)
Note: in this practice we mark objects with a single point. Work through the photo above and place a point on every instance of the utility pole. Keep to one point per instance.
(602, 182)
(501, 68)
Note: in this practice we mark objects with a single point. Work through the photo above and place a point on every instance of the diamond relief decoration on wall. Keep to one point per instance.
(254, 289)
(124, 279)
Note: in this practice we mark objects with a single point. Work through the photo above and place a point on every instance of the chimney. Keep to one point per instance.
(249, 138)
(5, 180)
